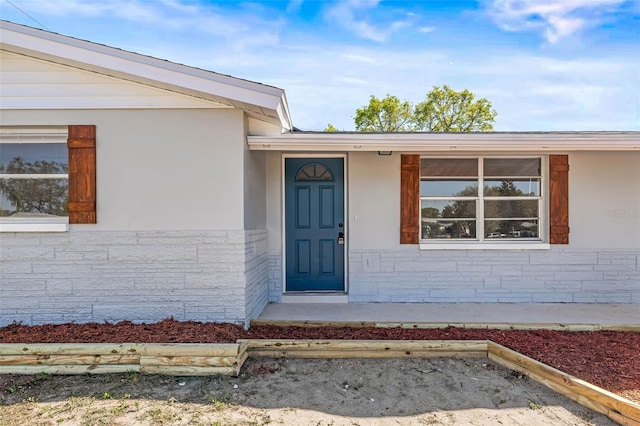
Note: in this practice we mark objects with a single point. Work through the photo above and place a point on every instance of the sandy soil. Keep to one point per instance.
(297, 392)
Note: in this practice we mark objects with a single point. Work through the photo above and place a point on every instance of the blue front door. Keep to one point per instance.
(314, 224)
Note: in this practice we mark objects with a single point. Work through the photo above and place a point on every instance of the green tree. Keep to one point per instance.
(331, 128)
(446, 110)
(385, 115)
(443, 110)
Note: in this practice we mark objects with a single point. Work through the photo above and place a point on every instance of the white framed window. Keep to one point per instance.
(489, 200)
(34, 179)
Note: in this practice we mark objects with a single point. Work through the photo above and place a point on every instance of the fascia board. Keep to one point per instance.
(139, 68)
(450, 142)
(283, 113)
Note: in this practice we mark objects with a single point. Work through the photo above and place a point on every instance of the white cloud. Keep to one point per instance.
(530, 92)
(327, 81)
(247, 25)
(130, 10)
(556, 19)
(354, 15)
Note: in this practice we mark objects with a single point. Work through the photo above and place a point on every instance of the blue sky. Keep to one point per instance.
(544, 64)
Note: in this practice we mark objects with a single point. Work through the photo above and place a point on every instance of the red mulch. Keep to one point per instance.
(609, 359)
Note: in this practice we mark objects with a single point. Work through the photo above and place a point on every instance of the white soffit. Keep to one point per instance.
(260, 101)
(448, 142)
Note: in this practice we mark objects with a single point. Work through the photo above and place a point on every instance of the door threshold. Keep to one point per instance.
(311, 297)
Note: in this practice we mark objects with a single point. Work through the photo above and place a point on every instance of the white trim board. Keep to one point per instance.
(314, 298)
(532, 142)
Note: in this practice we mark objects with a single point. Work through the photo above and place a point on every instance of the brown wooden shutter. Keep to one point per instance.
(559, 199)
(82, 174)
(409, 199)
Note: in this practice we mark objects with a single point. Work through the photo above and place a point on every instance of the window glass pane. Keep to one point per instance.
(33, 158)
(511, 208)
(433, 209)
(462, 167)
(33, 197)
(511, 229)
(313, 172)
(445, 188)
(448, 229)
(513, 187)
(512, 167)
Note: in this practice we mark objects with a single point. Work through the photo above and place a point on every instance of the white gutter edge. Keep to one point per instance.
(552, 141)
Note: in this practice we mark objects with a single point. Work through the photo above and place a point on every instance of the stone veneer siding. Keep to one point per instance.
(275, 276)
(558, 275)
(142, 276)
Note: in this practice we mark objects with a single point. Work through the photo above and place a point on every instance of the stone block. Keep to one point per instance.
(102, 238)
(148, 312)
(564, 258)
(152, 254)
(25, 253)
(578, 276)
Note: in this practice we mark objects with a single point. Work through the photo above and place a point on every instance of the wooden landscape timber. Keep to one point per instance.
(516, 326)
(620, 410)
(367, 348)
(99, 358)
(192, 359)
(432, 325)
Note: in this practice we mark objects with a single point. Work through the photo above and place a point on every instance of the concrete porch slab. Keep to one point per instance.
(568, 316)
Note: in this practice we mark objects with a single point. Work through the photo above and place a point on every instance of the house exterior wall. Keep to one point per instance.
(29, 83)
(255, 205)
(605, 202)
(142, 276)
(161, 169)
(600, 265)
(172, 237)
(274, 224)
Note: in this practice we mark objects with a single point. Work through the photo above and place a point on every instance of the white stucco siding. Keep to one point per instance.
(374, 201)
(161, 169)
(255, 197)
(604, 200)
(274, 201)
(28, 83)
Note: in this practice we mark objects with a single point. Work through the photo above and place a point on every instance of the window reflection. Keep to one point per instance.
(446, 187)
(508, 206)
(33, 197)
(512, 187)
(511, 229)
(33, 180)
(33, 158)
(446, 229)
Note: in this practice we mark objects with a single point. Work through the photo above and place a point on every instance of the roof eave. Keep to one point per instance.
(449, 142)
(266, 102)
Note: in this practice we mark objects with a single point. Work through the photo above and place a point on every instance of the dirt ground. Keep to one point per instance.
(437, 391)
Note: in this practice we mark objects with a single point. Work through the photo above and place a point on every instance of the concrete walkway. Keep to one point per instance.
(572, 316)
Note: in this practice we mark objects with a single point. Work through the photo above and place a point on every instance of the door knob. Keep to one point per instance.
(341, 238)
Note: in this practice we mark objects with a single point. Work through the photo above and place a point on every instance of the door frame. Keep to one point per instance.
(283, 235)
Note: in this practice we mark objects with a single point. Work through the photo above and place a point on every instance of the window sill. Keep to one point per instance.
(486, 246)
(34, 227)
